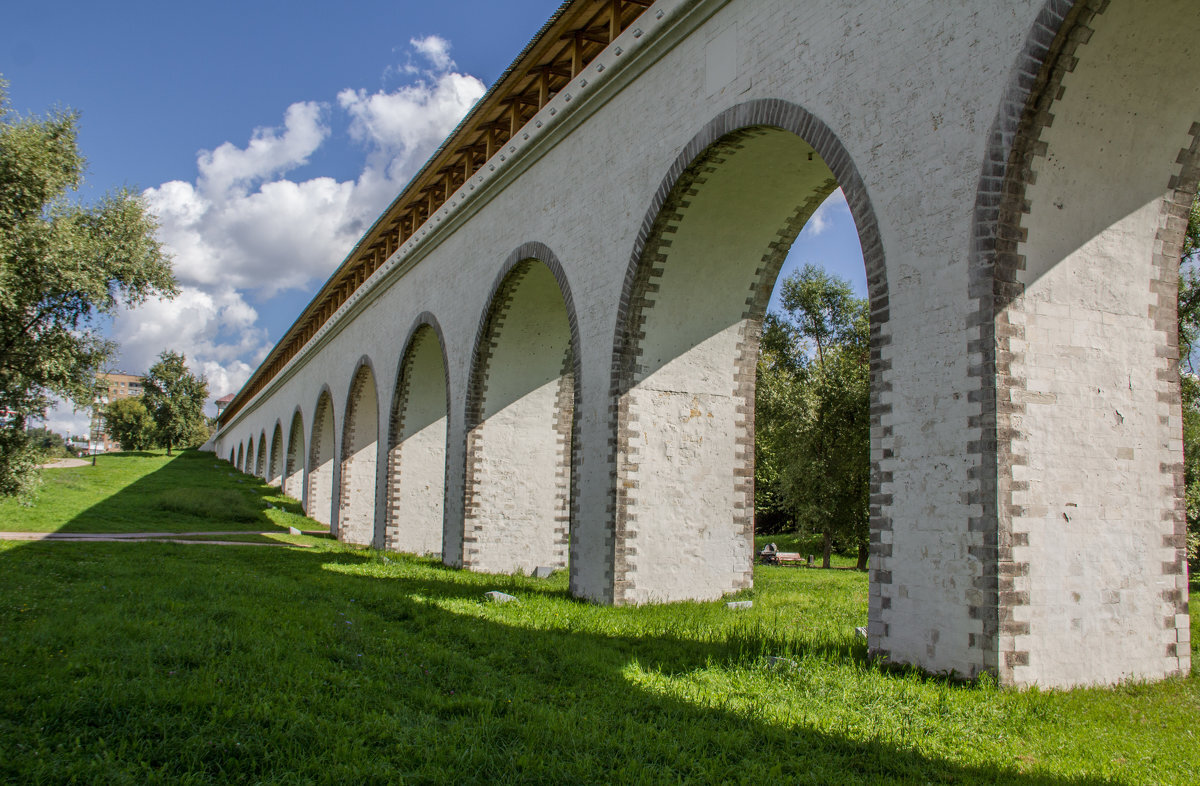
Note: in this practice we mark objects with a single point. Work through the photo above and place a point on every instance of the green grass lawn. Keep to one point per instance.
(156, 662)
(151, 492)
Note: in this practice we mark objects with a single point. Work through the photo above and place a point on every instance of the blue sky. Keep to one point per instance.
(266, 136)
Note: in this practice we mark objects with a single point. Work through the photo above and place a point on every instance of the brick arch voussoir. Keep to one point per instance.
(703, 150)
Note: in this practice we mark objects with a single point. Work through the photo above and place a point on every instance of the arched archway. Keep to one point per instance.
(321, 455)
(686, 346)
(274, 474)
(417, 444)
(260, 460)
(241, 458)
(233, 457)
(1080, 216)
(521, 406)
(293, 470)
(248, 467)
(360, 445)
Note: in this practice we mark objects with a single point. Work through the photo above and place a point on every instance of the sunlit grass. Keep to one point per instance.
(156, 662)
(190, 491)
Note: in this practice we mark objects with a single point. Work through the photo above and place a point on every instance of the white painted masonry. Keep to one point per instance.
(1016, 170)
(417, 458)
(293, 481)
(360, 446)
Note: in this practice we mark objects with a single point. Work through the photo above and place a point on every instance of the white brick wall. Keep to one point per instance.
(911, 92)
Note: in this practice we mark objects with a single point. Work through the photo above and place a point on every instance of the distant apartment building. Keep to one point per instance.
(120, 385)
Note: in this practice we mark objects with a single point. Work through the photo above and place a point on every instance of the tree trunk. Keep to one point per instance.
(168, 447)
(826, 551)
(862, 557)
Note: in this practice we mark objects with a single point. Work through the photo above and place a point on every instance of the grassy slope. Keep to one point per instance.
(144, 662)
(150, 492)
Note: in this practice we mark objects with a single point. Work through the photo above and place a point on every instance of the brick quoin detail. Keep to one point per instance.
(1016, 146)
(994, 289)
(504, 289)
(1168, 245)
(712, 147)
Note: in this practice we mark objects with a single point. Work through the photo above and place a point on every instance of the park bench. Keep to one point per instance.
(781, 558)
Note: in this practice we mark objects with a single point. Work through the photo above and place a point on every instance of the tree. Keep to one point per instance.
(175, 398)
(1189, 329)
(813, 411)
(129, 422)
(49, 442)
(62, 265)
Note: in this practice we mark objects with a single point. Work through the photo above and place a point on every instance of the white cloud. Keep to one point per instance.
(824, 216)
(268, 153)
(215, 329)
(435, 49)
(62, 419)
(401, 128)
(242, 227)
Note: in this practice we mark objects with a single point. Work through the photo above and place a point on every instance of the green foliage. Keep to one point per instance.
(62, 265)
(129, 422)
(175, 397)
(51, 443)
(1189, 330)
(813, 412)
(19, 460)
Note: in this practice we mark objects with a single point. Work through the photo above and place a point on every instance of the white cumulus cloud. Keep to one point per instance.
(823, 217)
(269, 152)
(242, 231)
(435, 49)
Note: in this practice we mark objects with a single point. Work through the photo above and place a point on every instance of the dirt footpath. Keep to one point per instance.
(63, 463)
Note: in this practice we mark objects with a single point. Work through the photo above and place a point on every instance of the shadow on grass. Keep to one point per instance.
(167, 662)
(191, 491)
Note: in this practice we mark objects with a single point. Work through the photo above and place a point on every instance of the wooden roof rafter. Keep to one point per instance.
(567, 42)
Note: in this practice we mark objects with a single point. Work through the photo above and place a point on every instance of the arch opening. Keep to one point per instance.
(260, 461)
(520, 418)
(417, 447)
(360, 445)
(293, 479)
(241, 458)
(687, 346)
(274, 475)
(321, 454)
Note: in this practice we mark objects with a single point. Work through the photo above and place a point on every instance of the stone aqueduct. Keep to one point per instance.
(549, 358)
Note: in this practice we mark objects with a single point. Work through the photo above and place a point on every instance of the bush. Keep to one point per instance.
(20, 458)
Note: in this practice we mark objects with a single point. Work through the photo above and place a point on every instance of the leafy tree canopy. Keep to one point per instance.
(812, 416)
(129, 422)
(62, 265)
(175, 398)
